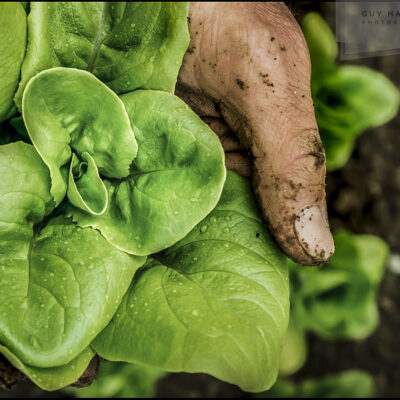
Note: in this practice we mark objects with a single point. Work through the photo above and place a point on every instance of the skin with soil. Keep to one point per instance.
(262, 92)
(364, 197)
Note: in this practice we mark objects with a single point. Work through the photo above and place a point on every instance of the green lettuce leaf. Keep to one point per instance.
(216, 302)
(67, 283)
(339, 300)
(127, 45)
(12, 52)
(175, 181)
(95, 123)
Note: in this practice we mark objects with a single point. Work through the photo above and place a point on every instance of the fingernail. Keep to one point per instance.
(313, 233)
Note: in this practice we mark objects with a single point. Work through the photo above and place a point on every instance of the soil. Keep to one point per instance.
(363, 197)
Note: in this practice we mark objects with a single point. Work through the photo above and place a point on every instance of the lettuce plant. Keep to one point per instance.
(348, 99)
(121, 232)
(339, 300)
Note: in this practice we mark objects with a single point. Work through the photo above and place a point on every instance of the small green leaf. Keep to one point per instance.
(87, 191)
(320, 40)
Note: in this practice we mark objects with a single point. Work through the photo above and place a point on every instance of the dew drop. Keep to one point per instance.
(203, 228)
(226, 230)
(195, 313)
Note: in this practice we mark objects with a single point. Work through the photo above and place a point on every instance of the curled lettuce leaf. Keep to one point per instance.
(12, 51)
(59, 285)
(175, 181)
(127, 45)
(215, 302)
(94, 127)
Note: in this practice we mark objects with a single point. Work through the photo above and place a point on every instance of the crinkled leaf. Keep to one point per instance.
(216, 302)
(53, 378)
(339, 300)
(127, 45)
(12, 51)
(176, 180)
(67, 110)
